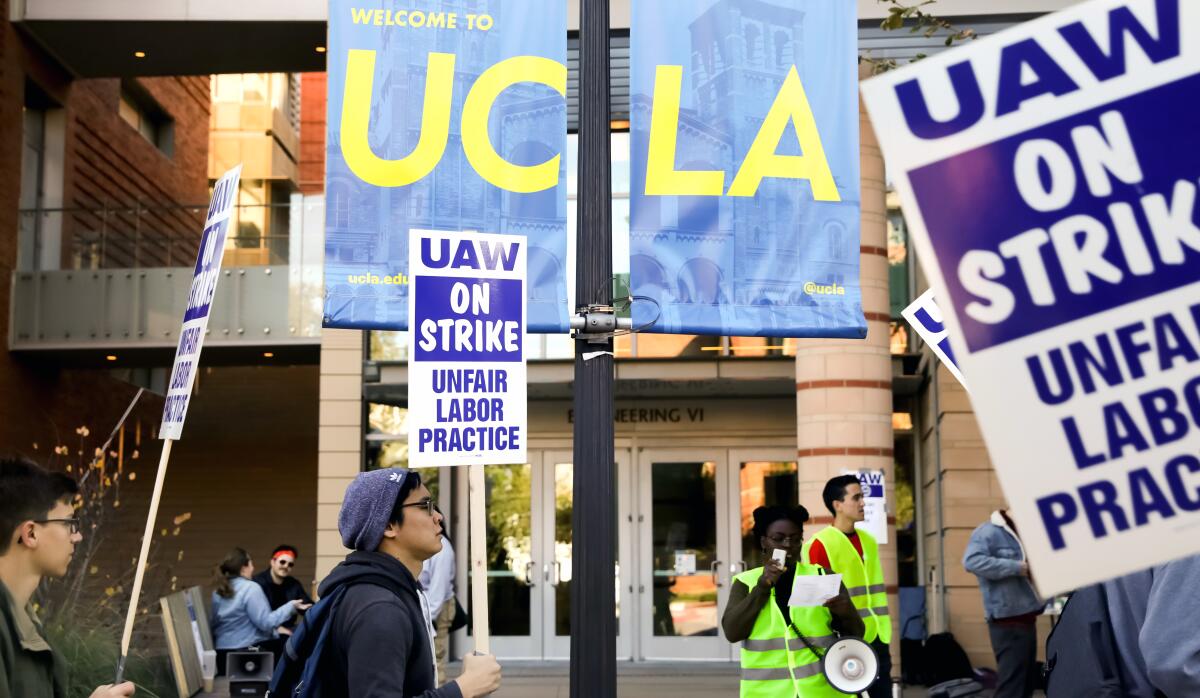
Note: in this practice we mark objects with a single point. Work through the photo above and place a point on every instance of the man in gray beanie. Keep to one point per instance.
(381, 643)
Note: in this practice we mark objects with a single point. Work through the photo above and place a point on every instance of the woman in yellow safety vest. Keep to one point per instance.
(776, 661)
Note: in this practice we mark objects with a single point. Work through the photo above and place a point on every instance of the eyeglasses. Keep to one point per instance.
(72, 524)
(428, 505)
(785, 541)
(286, 563)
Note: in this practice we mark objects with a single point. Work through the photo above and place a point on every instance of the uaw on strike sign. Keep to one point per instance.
(466, 374)
(199, 304)
(1049, 175)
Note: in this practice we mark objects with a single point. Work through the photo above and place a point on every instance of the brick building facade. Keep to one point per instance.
(104, 162)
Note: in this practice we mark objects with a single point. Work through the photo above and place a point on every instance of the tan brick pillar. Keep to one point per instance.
(339, 441)
(844, 387)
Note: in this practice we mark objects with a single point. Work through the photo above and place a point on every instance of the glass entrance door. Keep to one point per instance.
(529, 555)
(684, 553)
(557, 568)
(684, 529)
(514, 614)
(755, 478)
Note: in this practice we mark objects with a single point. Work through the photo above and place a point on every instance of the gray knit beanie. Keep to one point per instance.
(368, 505)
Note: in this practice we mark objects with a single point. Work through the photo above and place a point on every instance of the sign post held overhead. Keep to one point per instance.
(1051, 192)
(466, 380)
(183, 372)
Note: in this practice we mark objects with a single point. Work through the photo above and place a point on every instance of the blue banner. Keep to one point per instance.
(744, 211)
(443, 116)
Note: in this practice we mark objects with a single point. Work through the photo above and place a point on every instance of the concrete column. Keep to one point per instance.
(339, 442)
(844, 387)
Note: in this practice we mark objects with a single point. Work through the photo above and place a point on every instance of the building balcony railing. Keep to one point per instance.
(118, 278)
(144, 237)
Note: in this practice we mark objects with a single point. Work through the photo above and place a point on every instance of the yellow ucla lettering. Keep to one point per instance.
(435, 122)
(356, 113)
(791, 104)
(477, 142)
(662, 179)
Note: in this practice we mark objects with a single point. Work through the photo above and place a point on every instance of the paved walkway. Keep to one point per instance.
(634, 680)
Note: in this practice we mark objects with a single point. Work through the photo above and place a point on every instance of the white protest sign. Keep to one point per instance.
(875, 499)
(200, 296)
(1049, 175)
(466, 374)
(925, 317)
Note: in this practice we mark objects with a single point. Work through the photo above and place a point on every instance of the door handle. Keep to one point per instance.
(529, 574)
(557, 574)
(545, 573)
(715, 570)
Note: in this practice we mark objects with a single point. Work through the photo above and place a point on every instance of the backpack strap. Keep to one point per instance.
(299, 672)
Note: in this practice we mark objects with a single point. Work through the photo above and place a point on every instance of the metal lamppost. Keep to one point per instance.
(593, 520)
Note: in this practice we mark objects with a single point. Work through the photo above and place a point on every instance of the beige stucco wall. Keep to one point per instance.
(339, 437)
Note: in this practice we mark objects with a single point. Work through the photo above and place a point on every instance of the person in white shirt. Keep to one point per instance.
(437, 579)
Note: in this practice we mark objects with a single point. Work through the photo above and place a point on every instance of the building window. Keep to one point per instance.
(138, 109)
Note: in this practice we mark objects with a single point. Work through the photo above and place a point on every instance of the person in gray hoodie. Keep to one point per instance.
(1133, 636)
(381, 639)
(995, 555)
(1155, 620)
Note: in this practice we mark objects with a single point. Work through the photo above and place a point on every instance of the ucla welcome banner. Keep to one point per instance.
(745, 184)
(443, 116)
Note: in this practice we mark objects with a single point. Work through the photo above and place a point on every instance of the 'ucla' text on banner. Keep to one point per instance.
(443, 117)
(745, 184)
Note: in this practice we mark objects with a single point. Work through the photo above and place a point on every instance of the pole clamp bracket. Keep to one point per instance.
(596, 324)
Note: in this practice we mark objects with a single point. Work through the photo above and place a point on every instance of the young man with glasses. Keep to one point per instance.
(381, 636)
(280, 586)
(38, 535)
(854, 554)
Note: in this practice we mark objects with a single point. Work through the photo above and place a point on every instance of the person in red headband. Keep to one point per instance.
(279, 584)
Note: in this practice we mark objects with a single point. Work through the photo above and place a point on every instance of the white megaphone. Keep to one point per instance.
(850, 665)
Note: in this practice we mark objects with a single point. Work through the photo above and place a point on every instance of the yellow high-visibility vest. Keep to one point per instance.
(775, 662)
(863, 577)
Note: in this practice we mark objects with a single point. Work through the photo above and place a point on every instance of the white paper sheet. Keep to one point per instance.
(685, 563)
(815, 589)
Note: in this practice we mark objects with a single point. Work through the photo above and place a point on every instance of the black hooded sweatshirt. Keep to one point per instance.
(379, 645)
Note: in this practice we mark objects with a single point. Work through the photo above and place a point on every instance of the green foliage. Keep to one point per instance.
(508, 512)
(918, 21)
(89, 650)
(84, 611)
